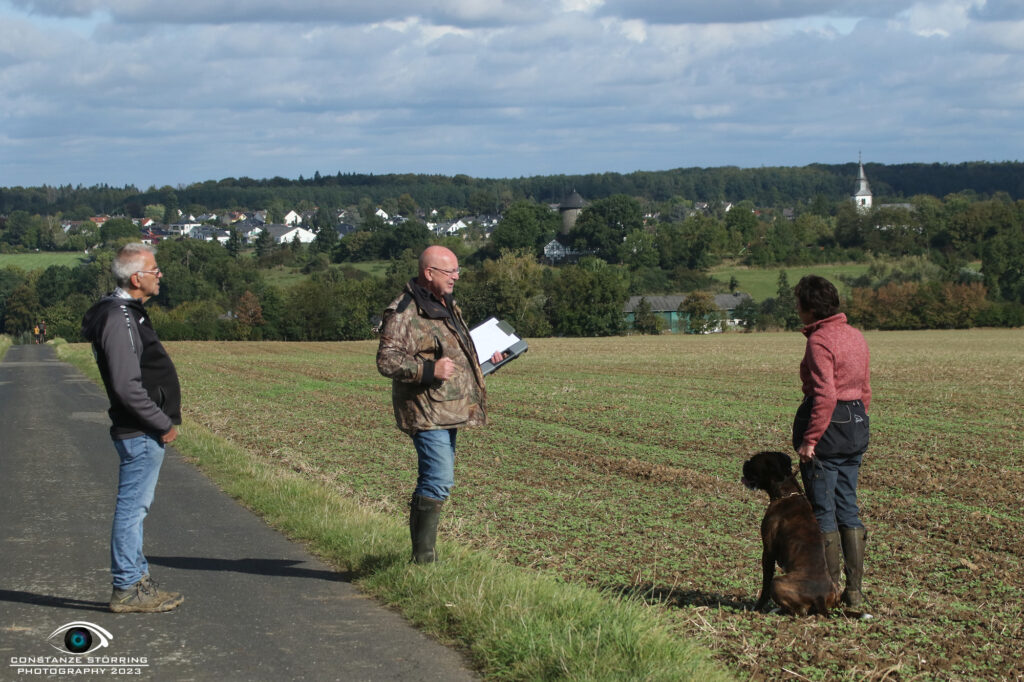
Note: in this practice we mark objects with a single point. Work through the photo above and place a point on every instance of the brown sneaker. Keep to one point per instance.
(144, 597)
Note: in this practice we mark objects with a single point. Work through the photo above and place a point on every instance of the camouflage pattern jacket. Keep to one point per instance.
(417, 331)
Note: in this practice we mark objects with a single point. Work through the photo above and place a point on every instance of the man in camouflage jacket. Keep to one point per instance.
(437, 385)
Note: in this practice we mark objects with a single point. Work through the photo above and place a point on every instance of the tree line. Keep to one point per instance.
(208, 294)
(771, 186)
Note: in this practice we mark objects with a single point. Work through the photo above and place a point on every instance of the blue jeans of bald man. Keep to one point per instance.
(141, 458)
(435, 451)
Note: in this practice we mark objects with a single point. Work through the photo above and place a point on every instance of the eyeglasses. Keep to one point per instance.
(157, 272)
(450, 273)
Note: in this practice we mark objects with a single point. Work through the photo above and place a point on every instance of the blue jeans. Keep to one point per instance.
(831, 485)
(141, 458)
(435, 452)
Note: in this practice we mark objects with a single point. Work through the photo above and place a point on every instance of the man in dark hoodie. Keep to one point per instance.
(145, 406)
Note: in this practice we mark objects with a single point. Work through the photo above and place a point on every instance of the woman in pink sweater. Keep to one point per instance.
(831, 429)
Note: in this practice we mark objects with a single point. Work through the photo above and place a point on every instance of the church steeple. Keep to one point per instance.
(862, 197)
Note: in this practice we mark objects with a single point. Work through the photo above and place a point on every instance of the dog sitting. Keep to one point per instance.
(791, 538)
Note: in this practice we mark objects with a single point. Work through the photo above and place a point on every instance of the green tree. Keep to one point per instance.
(234, 243)
(748, 314)
(702, 314)
(639, 250)
(587, 299)
(155, 212)
(118, 228)
(406, 205)
(328, 307)
(54, 284)
(388, 243)
(510, 288)
(603, 225)
(851, 226)
(813, 229)
(693, 244)
(19, 230)
(525, 225)
(275, 212)
(645, 320)
(741, 221)
(22, 309)
(786, 311)
(64, 317)
(1002, 262)
(170, 202)
(264, 243)
(10, 280)
(326, 240)
(482, 202)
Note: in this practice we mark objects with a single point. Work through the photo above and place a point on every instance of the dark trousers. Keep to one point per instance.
(831, 485)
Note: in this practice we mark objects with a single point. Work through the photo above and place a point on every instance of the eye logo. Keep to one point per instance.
(79, 637)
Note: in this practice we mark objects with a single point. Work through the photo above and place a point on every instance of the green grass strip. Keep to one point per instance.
(515, 624)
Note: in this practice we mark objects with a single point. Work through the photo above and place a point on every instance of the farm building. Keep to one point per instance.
(667, 308)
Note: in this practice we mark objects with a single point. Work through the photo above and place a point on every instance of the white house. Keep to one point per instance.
(556, 252)
(285, 234)
(382, 214)
(183, 229)
(452, 228)
(292, 218)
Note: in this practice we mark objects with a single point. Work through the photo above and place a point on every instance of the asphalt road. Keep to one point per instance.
(257, 606)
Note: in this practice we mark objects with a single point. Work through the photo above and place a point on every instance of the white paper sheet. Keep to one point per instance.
(488, 337)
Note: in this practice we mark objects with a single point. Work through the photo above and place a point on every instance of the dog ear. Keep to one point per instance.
(783, 464)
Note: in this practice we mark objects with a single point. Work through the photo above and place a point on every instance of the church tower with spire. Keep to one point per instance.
(862, 197)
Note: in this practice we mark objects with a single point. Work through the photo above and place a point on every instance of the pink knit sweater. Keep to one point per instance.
(836, 366)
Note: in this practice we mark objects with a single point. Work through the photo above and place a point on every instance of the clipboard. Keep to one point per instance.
(496, 335)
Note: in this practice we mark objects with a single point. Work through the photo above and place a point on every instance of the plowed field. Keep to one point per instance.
(616, 462)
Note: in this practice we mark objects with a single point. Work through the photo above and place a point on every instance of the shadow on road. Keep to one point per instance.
(283, 568)
(52, 600)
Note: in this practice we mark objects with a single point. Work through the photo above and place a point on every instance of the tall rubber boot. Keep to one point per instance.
(854, 540)
(833, 555)
(424, 514)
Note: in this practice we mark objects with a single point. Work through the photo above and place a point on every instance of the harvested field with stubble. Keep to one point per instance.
(616, 463)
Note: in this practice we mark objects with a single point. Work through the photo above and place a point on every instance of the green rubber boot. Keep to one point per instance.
(424, 514)
(854, 540)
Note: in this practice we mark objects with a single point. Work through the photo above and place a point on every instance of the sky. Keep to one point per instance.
(153, 93)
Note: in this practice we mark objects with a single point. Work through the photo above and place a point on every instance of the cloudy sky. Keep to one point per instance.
(153, 92)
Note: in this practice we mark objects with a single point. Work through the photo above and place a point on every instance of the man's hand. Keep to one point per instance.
(497, 357)
(444, 369)
(169, 437)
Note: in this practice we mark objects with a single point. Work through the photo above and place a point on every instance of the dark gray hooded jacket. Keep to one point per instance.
(140, 378)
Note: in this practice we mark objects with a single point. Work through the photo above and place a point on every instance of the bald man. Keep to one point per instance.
(437, 386)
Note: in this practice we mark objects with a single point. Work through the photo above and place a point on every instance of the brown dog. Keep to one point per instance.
(790, 537)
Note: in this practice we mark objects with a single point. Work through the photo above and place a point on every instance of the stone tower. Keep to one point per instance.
(570, 209)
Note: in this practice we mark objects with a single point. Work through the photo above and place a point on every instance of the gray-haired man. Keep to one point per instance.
(145, 406)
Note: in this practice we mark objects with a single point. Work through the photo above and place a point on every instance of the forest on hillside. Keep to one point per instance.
(771, 186)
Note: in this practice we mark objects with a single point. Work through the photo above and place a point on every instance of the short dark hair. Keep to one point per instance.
(818, 296)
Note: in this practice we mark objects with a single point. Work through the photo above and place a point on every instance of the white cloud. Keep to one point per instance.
(497, 89)
(742, 11)
(459, 12)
